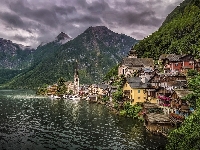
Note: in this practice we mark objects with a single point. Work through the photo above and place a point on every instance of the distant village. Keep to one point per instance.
(160, 86)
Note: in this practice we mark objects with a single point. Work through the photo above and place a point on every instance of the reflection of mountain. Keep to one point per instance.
(96, 50)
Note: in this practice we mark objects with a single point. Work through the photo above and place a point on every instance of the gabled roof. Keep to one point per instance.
(182, 92)
(138, 62)
(153, 77)
(103, 86)
(174, 57)
(135, 82)
(171, 57)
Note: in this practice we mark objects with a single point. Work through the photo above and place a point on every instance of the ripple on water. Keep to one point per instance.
(29, 122)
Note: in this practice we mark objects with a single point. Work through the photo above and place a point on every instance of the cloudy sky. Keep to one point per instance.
(30, 22)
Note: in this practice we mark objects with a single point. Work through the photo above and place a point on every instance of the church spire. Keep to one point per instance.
(76, 78)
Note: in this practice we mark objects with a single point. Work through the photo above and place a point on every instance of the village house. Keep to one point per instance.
(93, 89)
(135, 90)
(70, 86)
(173, 63)
(164, 85)
(130, 65)
(84, 90)
(157, 123)
(179, 105)
(103, 90)
(52, 90)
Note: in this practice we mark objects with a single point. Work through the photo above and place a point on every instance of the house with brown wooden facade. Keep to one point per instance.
(173, 63)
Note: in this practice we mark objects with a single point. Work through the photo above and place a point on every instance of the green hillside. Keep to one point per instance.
(179, 33)
(97, 50)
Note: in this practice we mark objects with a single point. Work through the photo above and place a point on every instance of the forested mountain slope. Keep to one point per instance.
(179, 33)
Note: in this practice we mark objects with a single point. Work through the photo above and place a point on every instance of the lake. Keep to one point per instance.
(30, 122)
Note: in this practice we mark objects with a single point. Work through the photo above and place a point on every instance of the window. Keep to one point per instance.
(131, 96)
(144, 97)
(190, 63)
(131, 91)
(176, 64)
(123, 71)
(138, 97)
(138, 91)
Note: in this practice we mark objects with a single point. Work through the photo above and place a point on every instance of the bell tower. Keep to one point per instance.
(76, 79)
(132, 53)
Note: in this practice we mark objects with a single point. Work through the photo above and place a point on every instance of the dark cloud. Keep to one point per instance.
(64, 10)
(98, 7)
(144, 18)
(42, 20)
(12, 19)
(19, 38)
(86, 19)
(44, 15)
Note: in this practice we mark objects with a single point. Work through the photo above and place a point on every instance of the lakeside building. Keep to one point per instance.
(173, 63)
(130, 65)
(134, 90)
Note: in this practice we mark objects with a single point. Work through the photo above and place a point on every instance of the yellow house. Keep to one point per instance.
(135, 90)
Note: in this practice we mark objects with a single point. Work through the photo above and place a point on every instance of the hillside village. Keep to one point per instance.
(159, 86)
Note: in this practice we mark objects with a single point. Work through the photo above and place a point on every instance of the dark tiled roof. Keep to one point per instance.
(171, 57)
(138, 62)
(103, 86)
(135, 82)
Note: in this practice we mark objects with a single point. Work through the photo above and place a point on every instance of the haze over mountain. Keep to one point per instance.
(96, 50)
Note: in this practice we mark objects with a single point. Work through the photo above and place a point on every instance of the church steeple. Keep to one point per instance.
(132, 53)
(76, 79)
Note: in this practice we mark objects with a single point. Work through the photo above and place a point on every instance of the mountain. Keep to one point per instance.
(14, 56)
(178, 34)
(96, 50)
(63, 38)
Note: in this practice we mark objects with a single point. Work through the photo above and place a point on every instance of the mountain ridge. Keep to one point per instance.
(97, 50)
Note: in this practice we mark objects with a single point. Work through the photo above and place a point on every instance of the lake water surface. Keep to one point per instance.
(30, 122)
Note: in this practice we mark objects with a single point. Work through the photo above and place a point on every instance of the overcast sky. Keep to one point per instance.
(30, 22)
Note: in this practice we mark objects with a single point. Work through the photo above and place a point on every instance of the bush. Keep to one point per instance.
(123, 113)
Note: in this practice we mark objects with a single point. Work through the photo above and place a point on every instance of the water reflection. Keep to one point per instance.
(42, 123)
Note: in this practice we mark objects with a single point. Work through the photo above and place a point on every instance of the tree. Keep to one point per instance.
(192, 73)
(118, 95)
(188, 135)
(61, 86)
